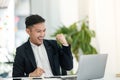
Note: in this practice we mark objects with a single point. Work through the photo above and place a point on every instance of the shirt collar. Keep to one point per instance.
(33, 45)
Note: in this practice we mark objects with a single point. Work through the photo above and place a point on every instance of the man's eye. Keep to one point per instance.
(44, 30)
(38, 31)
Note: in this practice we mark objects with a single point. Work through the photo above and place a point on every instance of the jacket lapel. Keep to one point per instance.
(30, 54)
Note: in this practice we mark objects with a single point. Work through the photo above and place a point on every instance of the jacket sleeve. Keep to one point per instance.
(65, 57)
(18, 69)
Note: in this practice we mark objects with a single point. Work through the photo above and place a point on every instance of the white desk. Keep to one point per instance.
(61, 78)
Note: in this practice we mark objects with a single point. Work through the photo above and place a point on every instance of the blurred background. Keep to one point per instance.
(103, 17)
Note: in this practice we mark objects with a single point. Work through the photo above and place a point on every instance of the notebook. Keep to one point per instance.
(91, 66)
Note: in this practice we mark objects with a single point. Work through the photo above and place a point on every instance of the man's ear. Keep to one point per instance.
(28, 31)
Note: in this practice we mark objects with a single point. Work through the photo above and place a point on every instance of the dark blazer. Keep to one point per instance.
(24, 62)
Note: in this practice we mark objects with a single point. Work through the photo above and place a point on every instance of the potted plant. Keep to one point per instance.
(79, 36)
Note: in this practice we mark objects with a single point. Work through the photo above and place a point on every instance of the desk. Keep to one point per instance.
(61, 78)
(71, 77)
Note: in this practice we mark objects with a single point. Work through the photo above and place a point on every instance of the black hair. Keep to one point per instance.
(33, 19)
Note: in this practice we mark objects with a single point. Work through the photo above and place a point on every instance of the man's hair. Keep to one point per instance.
(33, 19)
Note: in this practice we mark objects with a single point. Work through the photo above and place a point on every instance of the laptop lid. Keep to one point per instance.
(91, 66)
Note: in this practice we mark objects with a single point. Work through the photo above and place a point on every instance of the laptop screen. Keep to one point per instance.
(91, 66)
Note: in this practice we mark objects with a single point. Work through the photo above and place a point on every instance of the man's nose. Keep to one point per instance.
(42, 33)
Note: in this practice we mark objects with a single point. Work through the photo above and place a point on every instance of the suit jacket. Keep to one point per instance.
(24, 62)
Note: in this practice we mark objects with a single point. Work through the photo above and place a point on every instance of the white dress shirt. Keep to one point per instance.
(41, 58)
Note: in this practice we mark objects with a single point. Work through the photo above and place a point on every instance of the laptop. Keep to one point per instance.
(91, 66)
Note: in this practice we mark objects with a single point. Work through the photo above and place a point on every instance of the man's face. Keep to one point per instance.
(37, 33)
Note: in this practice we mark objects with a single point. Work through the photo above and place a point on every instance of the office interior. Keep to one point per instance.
(103, 16)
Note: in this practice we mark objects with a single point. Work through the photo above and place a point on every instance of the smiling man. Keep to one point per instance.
(39, 56)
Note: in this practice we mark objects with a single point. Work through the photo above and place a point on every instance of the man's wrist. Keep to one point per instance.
(29, 75)
(66, 44)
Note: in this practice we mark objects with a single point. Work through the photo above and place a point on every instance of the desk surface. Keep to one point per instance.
(70, 77)
(73, 77)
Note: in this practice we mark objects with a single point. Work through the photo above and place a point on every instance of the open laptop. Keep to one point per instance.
(91, 66)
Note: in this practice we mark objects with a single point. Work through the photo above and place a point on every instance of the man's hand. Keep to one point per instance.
(61, 39)
(37, 72)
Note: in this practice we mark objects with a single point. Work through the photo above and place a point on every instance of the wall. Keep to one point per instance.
(104, 18)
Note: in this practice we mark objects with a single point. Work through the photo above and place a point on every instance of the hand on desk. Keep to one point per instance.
(37, 72)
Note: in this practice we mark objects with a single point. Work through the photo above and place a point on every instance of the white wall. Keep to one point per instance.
(104, 18)
(69, 12)
(117, 22)
(83, 8)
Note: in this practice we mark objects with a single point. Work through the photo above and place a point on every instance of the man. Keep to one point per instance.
(39, 56)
